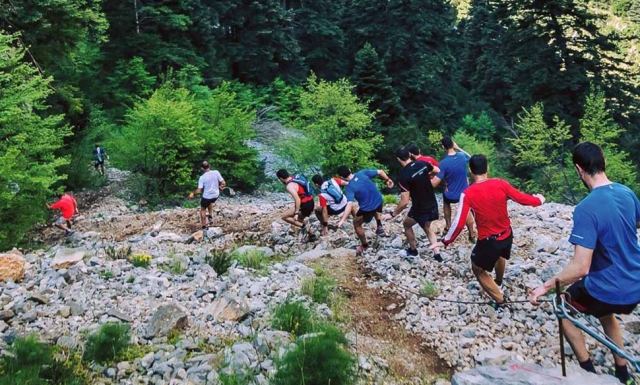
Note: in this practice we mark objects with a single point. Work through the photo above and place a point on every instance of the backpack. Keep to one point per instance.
(333, 191)
(304, 182)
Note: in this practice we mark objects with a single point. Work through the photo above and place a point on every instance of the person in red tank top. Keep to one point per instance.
(68, 208)
(302, 202)
(488, 198)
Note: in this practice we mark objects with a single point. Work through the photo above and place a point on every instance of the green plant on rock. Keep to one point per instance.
(237, 378)
(140, 259)
(219, 260)
(390, 199)
(320, 288)
(252, 259)
(118, 253)
(317, 359)
(106, 274)
(429, 289)
(294, 317)
(107, 343)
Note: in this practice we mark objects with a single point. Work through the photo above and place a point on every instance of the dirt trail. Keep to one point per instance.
(370, 315)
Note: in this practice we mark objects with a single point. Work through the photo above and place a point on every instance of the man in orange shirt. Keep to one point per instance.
(68, 208)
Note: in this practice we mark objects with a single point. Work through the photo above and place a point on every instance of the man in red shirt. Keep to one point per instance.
(416, 154)
(68, 208)
(488, 197)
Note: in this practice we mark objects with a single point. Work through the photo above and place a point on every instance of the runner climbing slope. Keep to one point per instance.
(453, 172)
(68, 208)
(488, 198)
(209, 184)
(362, 190)
(300, 190)
(331, 200)
(415, 186)
(604, 272)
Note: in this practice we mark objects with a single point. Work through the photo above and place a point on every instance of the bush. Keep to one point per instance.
(107, 343)
(317, 359)
(497, 162)
(390, 199)
(140, 260)
(293, 317)
(320, 288)
(35, 363)
(481, 126)
(30, 141)
(220, 260)
(252, 259)
(429, 289)
(236, 378)
(118, 253)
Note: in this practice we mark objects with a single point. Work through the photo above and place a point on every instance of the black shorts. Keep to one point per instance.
(367, 216)
(487, 252)
(204, 202)
(424, 217)
(585, 303)
(449, 201)
(306, 209)
(331, 211)
(98, 163)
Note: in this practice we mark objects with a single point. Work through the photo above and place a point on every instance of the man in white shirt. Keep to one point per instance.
(331, 198)
(209, 184)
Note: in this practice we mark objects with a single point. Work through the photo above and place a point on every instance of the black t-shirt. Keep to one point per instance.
(414, 178)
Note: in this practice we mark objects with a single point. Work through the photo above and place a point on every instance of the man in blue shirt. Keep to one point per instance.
(453, 171)
(604, 272)
(361, 189)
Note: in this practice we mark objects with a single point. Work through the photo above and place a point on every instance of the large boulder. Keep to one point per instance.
(529, 374)
(318, 253)
(229, 307)
(165, 319)
(67, 257)
(248, 249)
(12, 266)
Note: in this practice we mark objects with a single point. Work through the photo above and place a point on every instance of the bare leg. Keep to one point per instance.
(203, 217)
(323, 217)
(446, 209)
(471, 227)
(408, 224)
(289, 216)
(433, 238)
(576, 340)
(358, 227)
(210, 209)
(487, 283)
(612, 329)
(501, 265)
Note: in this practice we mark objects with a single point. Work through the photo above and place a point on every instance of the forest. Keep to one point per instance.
(164, 84)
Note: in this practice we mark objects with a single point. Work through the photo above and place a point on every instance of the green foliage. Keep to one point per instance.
(129, 83)
(236, 378)
(390, 199)
(472, 145)
(175, 265)
(481, 126)
(140, 259)
(317, 359)
(30, 141)
(106, 274)
(35, 363)
(331, 115)
(252, 259)
(294, 317)
(321, 288)
(220, 260)
(286, 98)
(107, 343)
(429, 289)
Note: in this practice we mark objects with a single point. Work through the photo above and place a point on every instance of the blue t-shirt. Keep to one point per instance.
(453, 170)
(362, 189)
(605, 222)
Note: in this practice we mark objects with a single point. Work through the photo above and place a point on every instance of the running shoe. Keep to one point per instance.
(360, 250)
(380, 231)
(411, 252)
(438, 257)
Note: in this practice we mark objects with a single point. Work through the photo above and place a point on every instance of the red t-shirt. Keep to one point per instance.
(488, 200)
(428, 159)
(66, 205)
(304, 198)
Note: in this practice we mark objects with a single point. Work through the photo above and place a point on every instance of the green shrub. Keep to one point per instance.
(175, 265)
(293, 317)
(481, 126)
(30, 141)
(252, 259)
(106, 344)
(429, 289)
(106, 274)
(244, 378)
(140, 260)
(390, 199)
(31, 362)
(320, 288)
(220, 260)
(318, 359)
(118, 253)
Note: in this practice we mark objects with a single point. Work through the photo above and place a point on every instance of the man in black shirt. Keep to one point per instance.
(415, 186)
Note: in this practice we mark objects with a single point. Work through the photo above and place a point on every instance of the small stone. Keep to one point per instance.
(110, 373)
(67, 257)
(229, 307)
(67, 342)
(39, 298)
(115, 313)
(76, 309)
(6, 315)
(147, 360)
(64, 311)
(12, 266)
(493, 357)
(165, 319)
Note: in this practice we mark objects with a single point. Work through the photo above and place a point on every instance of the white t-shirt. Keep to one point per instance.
(209, 182)
(327, 200)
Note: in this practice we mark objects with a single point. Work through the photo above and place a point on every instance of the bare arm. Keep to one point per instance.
(435, 181)
(577, 268)
(223, 184)
(383, 175)
(405, 198)
(435, 170)
(345, 214)
(458, 148)
(195, 192)
(292, 188)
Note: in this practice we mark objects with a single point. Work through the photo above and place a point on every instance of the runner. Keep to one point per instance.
(604, 271)
(300, 189)
(488, 200)
(68, 208)
(209, 184)
(416, 154)
(361, 189)
(415, 186)
(99, 156)
(453, 171)
(331, 199)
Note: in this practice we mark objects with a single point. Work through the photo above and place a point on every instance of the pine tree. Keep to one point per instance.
(374, 85)
(30, 139)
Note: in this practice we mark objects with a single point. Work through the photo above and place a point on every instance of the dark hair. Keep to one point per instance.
(403, 154)
(205, 165)
(317, 179)
(478, 164)
(344, 171)
(282, 173)
(589, 157)
(413, 148)
(447, 142)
